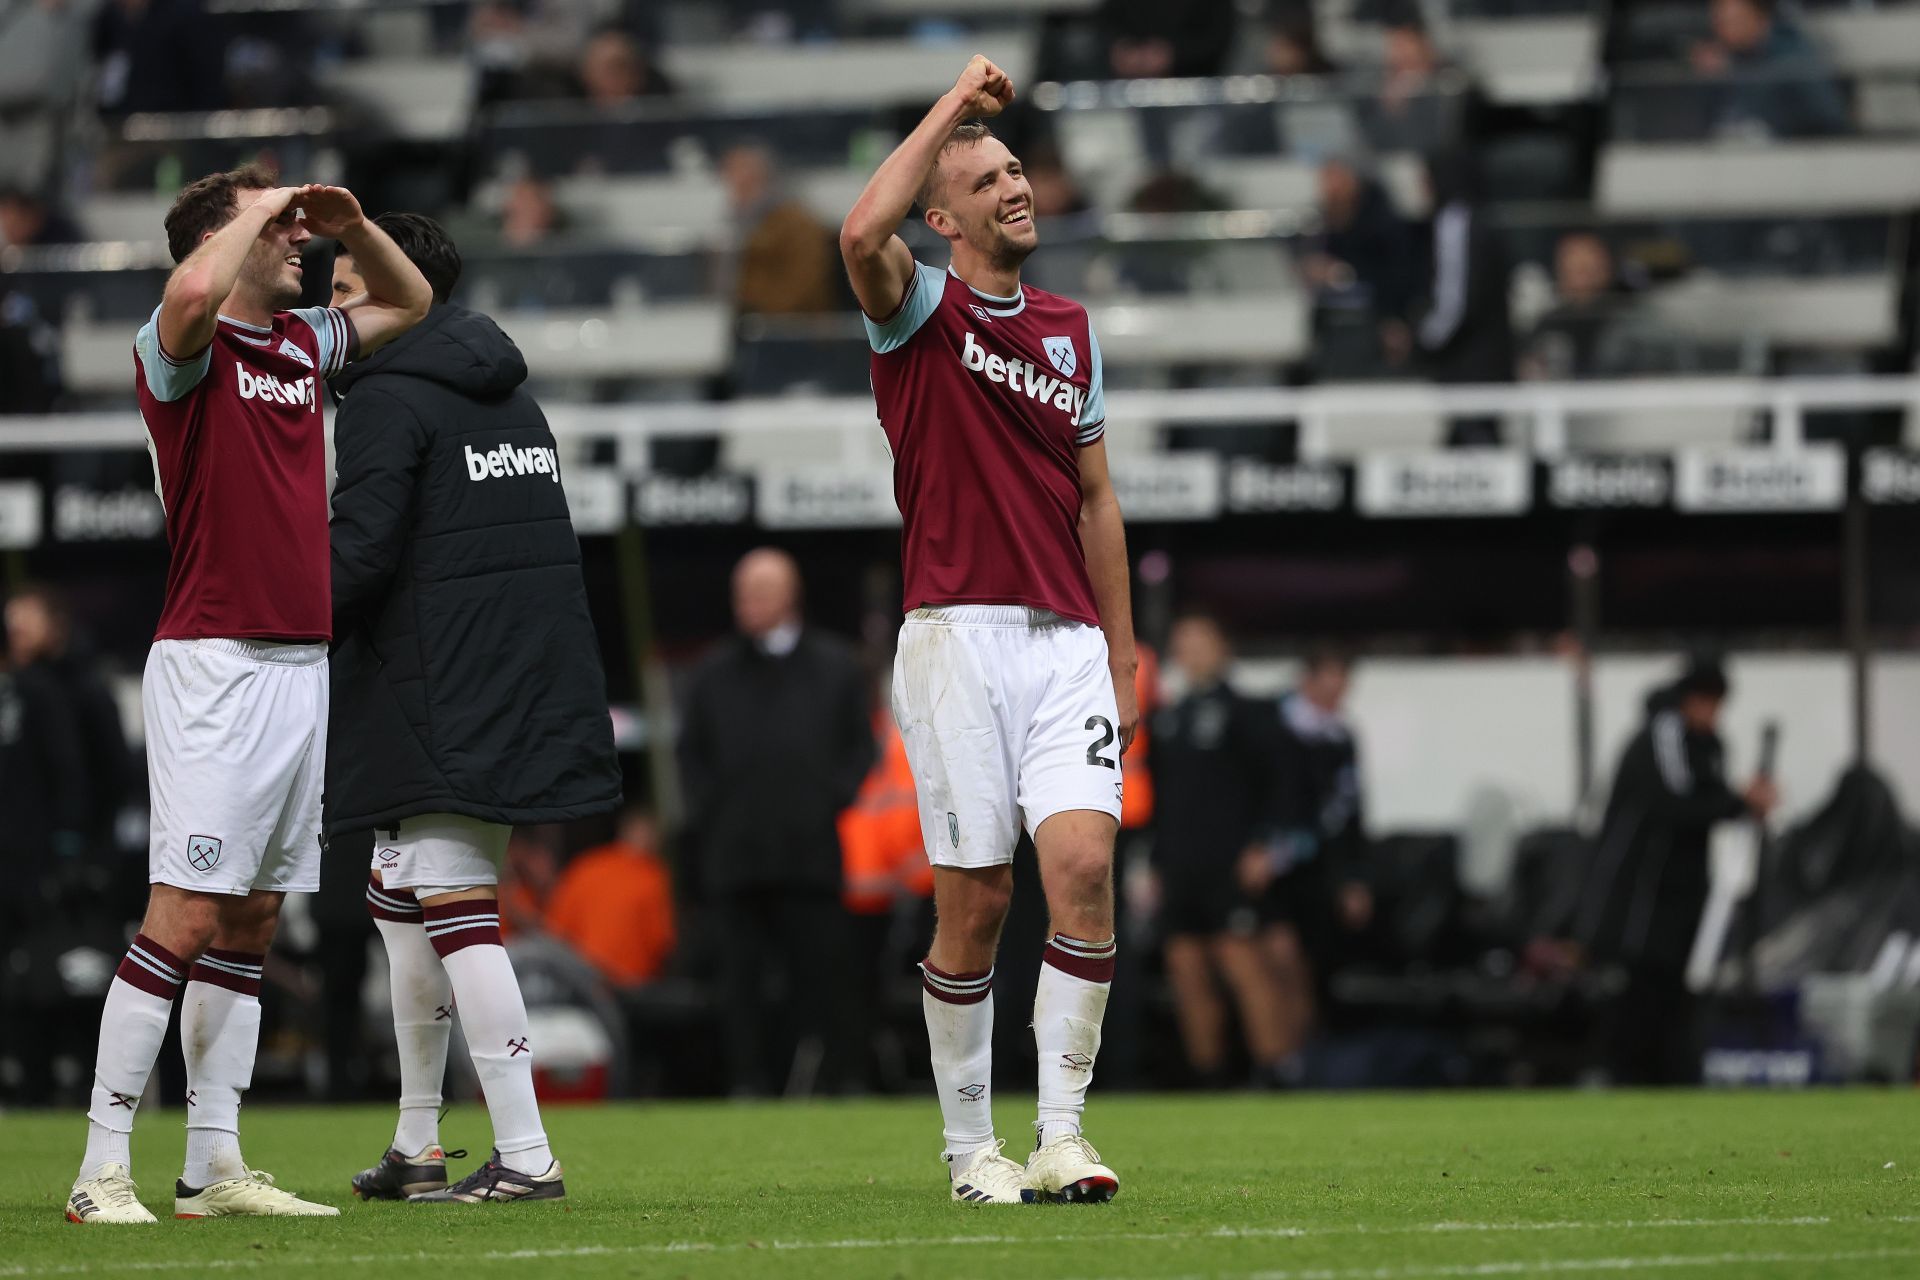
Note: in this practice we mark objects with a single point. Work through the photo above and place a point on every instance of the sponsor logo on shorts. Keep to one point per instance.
(953, 828)
(203, 852)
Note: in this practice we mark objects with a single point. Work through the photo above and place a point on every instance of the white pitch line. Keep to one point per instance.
(441, 1259)
(1467, 1270)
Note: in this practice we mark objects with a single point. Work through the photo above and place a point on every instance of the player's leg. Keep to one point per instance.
(277, 725)
(178, 926)
(1197, 1006)
(1070, 796)
(963, 783)
(452, 864)
(1272, 1042)
(422, 997)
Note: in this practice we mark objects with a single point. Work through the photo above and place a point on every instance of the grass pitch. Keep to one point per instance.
(1366, 1187)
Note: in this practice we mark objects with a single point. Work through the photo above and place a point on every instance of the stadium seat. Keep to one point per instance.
(679, 339)
(421, 99)
(846, 73)
(1777, 177)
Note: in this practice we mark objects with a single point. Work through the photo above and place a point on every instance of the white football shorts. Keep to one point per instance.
(236, 759)
(1008, 717)
(439, 853)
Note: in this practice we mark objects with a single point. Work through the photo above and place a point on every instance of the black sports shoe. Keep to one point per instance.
(398, 1176)
(494, 1181)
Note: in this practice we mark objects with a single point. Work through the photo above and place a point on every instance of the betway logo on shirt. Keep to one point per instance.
(509, 461)
(1025, 379)
(264, 386)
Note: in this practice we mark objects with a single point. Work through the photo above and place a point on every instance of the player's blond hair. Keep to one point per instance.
(967, 133)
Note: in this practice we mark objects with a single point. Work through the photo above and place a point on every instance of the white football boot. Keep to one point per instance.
(1068, 1171)
(109, 1197)
(250, 1196)
(987, 1177)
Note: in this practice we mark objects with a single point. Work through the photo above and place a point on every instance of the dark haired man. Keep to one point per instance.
(1014, 683)
(235, 694)
(467, 698)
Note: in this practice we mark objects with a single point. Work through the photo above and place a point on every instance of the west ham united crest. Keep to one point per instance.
(203, 853)
(953, 829)
(1061, 352)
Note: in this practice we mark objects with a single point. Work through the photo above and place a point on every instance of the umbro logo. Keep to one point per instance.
(1076, 1061)
(972, 1092)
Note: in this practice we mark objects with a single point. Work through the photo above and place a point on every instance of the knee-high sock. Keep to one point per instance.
(467, 936)
(219, 1036)
(1067, 1010)
(959, 1010)
(133, 1025)
(422, 1014)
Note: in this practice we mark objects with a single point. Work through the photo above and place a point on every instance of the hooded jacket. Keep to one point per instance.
(466, 672)
(1650, 876)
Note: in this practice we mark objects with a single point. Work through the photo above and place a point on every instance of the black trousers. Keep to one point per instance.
(783, 977)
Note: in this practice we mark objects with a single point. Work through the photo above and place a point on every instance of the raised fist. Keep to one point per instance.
(983, 89)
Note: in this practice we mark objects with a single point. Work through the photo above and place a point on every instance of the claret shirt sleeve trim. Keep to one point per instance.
(924, 292)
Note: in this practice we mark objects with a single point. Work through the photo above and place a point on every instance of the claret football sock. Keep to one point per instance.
(1068, 1007)
(467, 936)
(219, 1037)
(422, 1014)
(959, 1011)
(132, 1027)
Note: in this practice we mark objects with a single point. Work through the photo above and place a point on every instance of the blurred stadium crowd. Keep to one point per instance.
(1246, 194)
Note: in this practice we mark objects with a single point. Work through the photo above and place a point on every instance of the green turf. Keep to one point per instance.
(1725, 1185)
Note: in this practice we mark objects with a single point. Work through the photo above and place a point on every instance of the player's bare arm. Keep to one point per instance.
(878, 261)
(1103, 535)
(190, 307)
(397, 295)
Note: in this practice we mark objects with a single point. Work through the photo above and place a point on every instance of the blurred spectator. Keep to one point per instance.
(1649, 879)
(889, 887)
(1293, 45)
(775, 741)
(41, 644)
(27, 220)
(1410, 110)
(614, 903)
(1770, 79)
(29, 357)
(530, 871)
(1150, 40)
(158, 55)
(614, 70)
(529, 48)
(1055, 193)
(1465, 334)
(1569, 340)
(42, 65)
(43, 792)
(1215, 756)
(1313, 877)
(1361, 269)
(788, 261)
(1168, 268)
(529, 216)
(784, 21)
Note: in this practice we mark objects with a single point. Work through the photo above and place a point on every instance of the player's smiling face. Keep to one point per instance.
(272, 271)
(988, 203)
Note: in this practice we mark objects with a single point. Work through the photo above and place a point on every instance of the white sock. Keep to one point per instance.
(133, 1025)
(422, 1015)
(959, 1010)
(219, 1036)
(1068, 1007)
(467, 936)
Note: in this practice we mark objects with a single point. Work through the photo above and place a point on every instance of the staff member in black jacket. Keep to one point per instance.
(775, 739)
(1215, 755)
(1649, 880)
(467, 697)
